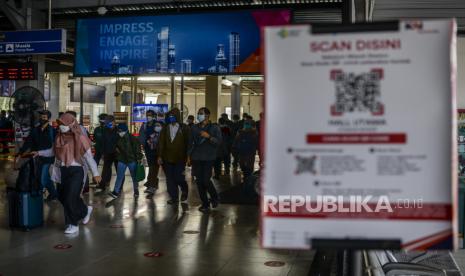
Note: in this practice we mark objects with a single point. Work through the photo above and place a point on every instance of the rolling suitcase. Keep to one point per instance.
(25, 209)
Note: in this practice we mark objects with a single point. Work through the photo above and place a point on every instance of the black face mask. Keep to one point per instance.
(43, 122)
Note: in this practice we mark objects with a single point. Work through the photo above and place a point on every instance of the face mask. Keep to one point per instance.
(149, 118)
(201, 117)
(158, 128)
(121, 134)
(102, 122)
(64, 129)
(160, 118)
(172, 119)
(43, 122)
(109, 125)
(247, 126)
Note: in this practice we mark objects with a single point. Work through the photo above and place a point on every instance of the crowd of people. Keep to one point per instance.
(65, 156)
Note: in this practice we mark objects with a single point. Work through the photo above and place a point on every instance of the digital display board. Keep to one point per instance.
(18, 71)
(202, 43)
(92, 93)
(139, 110)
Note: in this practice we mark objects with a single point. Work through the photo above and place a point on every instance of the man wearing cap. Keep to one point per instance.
(41, 140)
(110, 136)
(128, 154)
(98, 138)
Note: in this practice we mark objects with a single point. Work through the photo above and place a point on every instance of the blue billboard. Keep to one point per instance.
(207, 43)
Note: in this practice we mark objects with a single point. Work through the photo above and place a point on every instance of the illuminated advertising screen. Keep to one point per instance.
(203, 43)
(139, 110)
(92, 93)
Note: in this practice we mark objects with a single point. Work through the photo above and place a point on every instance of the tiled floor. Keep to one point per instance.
(121, 231)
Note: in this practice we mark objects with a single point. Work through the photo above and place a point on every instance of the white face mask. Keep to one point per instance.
(64, 129)
(200, 117)
(121, 134)
(150, 118)
(158, 128)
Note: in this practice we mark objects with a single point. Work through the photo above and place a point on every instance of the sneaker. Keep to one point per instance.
(87, 217)
(184, 197)
(204, 209)
(172, 202)
(113, 194)
(150, 190)
(72, 229)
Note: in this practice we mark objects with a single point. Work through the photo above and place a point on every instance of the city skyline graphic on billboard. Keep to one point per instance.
(207, 43)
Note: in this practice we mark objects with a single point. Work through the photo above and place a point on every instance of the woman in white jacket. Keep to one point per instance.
(73, 159)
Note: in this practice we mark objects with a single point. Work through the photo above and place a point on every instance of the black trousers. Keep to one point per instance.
(175, 179)
(203, 174)
(108, 161)
(70, 194)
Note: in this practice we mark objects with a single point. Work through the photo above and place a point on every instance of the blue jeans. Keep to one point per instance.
(46, 182)
(120, 171)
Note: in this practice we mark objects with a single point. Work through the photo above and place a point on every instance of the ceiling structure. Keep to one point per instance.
(65, 12)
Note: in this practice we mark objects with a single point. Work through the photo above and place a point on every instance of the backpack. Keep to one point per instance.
(246, 143)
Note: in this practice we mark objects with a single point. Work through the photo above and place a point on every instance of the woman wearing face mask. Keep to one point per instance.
(128, 153)
(73, 159)
(245, 146)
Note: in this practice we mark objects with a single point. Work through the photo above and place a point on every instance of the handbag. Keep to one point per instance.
(140, 172)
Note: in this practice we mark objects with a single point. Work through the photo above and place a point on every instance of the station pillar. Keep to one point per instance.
(213, 96)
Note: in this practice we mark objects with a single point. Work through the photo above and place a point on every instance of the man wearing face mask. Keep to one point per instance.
(172, 149)
(98, 138)
(204, 142)
(246, 145)
(148, 137)
(40, 140)
(128, 154)
(110, 136)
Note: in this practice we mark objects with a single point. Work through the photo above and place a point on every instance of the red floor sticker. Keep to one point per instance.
(62, 246)
(153, 254)
(191, 232)
(275, 263)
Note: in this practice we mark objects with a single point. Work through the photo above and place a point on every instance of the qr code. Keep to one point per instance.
(305, 164)
(357, 92)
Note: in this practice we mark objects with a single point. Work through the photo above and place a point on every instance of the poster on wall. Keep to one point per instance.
(370, 132)
(197, 43)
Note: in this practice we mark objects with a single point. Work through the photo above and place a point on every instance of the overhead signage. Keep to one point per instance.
(18, 71)
(203, 43)
(363, 143)
(33, 42)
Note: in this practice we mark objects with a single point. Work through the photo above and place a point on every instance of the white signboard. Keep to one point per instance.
(359, 136)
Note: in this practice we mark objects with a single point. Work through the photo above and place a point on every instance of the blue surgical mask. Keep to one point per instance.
(158, 129)
(247, 126)
(200, 117)
(109, 125)
(172, 120)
